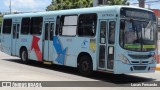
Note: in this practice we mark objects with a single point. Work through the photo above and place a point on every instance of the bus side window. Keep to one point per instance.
(7, 24)
(57, 25)
(51, 31)
(14, 31)
(112, 25)
(103, 32)
(25, 26)
(36, 25)
(87, 24)
(68, 25)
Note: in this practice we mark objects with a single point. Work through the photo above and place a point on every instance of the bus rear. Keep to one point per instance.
(137, 41)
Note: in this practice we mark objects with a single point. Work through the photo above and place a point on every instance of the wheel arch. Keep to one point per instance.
(21, 48)
(83, 54)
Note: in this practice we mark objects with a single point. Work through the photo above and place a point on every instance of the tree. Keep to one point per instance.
(70, 4)
(118, 2)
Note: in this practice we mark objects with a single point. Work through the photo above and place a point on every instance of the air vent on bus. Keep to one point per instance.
(139, 67)
(139, 62)
(140, 56)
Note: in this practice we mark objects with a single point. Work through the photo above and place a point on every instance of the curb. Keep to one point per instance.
(158, 67)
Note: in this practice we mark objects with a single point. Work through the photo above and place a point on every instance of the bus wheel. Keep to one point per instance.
(85, 66)
(24, 56)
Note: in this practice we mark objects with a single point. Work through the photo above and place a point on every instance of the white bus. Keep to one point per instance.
(115, 39)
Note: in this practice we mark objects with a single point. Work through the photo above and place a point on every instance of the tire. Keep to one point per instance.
(85, 66)
(24, 56)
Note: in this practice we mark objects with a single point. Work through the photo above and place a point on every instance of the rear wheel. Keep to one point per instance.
(24, 56)
(85, 66)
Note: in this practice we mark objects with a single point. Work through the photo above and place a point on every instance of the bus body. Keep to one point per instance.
(116, 39)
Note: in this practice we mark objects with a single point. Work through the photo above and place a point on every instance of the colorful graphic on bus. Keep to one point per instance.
(36, 48)
(60, 51)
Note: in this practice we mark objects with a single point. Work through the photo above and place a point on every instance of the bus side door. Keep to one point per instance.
(48, 41)
(15, 37)
(106, 45)
(103, 45)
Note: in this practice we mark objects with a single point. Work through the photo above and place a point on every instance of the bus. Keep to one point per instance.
(113, 39)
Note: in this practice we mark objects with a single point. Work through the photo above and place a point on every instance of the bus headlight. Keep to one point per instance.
(123, 59)
(152, 61)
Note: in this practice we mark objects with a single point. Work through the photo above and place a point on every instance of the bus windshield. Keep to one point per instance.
(138, 35)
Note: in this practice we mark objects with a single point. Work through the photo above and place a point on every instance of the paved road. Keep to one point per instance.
(11, 69)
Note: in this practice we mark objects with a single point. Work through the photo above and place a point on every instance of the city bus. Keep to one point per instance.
(112, 39)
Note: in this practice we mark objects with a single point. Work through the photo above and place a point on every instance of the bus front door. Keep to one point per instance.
(15, 37)
(48, 41)
(105, 48)
(102, 45)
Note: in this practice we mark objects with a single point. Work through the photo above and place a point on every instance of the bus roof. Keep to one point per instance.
(73, 11)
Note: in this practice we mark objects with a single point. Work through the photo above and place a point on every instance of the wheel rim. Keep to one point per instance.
(85, 66)
(24, 56)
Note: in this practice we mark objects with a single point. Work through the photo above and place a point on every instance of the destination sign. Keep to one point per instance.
(137, 13)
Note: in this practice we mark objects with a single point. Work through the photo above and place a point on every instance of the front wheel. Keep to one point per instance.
(24, 56)
(85, 66)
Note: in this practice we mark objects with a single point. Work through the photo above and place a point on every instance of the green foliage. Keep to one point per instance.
(72, 4)
(69, 4)
(117, 2)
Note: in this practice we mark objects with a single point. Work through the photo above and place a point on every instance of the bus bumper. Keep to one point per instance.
(121, 68)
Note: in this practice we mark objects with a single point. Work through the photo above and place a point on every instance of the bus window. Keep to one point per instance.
(100, 2)
(46, 31)
(122, 28)
(111, 32)
(57, 25)
(18, 27)
(36, 25)
(51, 31)
(87, 24)
(68, 25)
(14, 31)
(103, 32)
(25, 25)
(7, 26)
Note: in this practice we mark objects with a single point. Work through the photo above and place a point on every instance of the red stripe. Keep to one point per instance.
(36, 48)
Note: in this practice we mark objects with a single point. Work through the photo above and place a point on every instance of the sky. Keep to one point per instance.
(24, 5)
(154, 5)
(40, 5)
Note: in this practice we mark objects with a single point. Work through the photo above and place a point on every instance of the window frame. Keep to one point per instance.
(104, 34)
(52, 30)
(29, 26)
(46, 29)
(100, 2)
(95, 26)
(62, 24)
(4, 26)
(57, 29)
(14, 29)
(109, 32)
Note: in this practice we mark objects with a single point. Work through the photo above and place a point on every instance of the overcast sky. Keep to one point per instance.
(40, 5)
(153, 5)
(24, 5)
